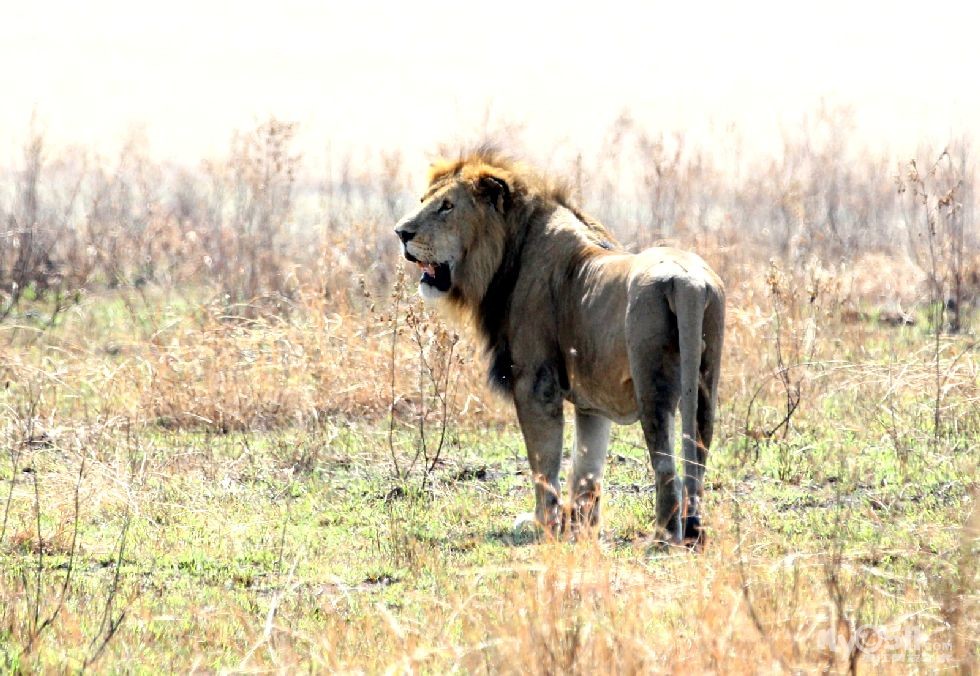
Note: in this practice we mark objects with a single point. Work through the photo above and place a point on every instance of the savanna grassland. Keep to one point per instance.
(234, 440)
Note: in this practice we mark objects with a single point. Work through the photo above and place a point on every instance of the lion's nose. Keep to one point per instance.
(404, 235)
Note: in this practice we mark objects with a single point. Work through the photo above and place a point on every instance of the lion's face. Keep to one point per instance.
(443, 232)
(434, 237)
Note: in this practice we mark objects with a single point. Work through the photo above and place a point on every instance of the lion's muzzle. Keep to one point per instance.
(404, 234)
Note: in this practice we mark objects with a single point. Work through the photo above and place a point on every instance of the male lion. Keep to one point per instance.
(567, 314)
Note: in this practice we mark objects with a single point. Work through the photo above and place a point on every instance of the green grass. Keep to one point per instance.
(295, 547)
(221, 527)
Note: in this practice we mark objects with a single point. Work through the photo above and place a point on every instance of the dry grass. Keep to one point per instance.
(201, 429)
(291, 464)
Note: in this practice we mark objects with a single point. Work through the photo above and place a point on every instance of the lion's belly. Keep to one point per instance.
(592, 336)
(613, 398)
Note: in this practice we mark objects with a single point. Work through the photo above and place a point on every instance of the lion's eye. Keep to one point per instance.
(445, 206)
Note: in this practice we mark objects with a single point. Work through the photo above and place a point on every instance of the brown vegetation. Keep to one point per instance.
(173, 337)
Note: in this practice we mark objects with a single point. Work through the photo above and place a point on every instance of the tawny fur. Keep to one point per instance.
(567, 315)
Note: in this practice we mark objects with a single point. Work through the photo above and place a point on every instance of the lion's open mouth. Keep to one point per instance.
(436, 274)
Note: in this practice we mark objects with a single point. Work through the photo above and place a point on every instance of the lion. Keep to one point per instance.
(566, 314)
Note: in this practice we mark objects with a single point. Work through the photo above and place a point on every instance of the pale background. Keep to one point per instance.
(184, 75)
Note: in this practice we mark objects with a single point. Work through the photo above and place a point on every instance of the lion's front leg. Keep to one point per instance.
(539, 410)
(588, 461)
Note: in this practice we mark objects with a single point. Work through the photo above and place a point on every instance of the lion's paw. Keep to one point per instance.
(694, 536)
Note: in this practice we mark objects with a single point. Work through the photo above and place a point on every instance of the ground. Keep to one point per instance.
(280, 536)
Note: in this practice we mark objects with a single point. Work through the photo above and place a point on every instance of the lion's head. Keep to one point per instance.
(458, 234)
(470, 226)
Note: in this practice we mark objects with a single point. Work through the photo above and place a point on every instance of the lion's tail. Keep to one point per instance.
(690, 300)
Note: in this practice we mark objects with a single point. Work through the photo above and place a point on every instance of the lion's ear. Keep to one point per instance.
(495, 190)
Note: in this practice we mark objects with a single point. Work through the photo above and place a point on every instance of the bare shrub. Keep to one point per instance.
(249, 235)
(29, 266)
(938, 210)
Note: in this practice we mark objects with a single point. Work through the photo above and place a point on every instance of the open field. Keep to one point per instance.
(186, 490)
(233, 439)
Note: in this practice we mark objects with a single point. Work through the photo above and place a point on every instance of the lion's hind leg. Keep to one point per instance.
(658, 403)
(655, 369)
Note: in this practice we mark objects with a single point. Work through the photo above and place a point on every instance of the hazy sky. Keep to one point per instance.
(413, 74)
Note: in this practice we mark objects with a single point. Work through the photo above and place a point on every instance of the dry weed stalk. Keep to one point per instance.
(439, 365)
(794, 322)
